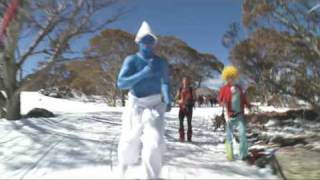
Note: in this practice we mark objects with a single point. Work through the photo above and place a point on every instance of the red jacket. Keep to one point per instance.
(225, 96)
(186, 95)
(8, 16)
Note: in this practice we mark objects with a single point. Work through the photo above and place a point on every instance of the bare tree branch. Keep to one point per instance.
(51, 23)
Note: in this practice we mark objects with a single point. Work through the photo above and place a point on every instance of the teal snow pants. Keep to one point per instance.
(241, 125)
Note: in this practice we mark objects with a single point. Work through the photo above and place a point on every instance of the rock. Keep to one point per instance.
(274, 100)
(253, 135)
(289, 122)
(283, 101)
(260, 118)
(253, 140)
(299, 146)
(307, 114)
(267, 170)
(54, 94)
(287, 141)
(308, 146)
(57, 92)
(313, 145)
(316, 148)
(290, 117)
(260, 155)
(262, 162)
(254, 154)
(298, 163)
(264, 138)
(39, 112)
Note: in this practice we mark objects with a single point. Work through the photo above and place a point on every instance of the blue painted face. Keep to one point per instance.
(146, 46)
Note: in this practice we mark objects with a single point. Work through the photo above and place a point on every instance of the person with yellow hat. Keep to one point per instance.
(232, 98)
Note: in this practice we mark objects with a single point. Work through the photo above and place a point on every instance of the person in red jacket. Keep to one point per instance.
(186, 100)
(233, 99)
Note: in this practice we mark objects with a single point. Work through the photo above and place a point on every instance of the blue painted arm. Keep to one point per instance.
(126, 78)
(165, 86)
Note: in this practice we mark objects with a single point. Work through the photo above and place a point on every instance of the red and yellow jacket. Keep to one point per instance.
(225, 96)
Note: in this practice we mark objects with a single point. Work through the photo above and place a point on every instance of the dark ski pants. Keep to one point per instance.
(185, 112)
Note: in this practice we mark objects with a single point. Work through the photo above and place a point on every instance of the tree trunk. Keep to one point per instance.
(13, 107)
(123, 100)
(11, 84)
(199, 82)
(11, 88)
(2, 105)
(2, 98)
(20, 74)
(114, 97)
(114, 101)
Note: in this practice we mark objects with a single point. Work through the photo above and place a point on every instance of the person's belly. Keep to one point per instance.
(147, 87)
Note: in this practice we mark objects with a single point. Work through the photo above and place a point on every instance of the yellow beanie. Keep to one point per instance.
(229, 72)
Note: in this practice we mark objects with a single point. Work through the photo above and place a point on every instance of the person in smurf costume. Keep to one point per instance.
(146, 77)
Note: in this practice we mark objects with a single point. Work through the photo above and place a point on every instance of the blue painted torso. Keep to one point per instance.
(150, 85)
(154, 82)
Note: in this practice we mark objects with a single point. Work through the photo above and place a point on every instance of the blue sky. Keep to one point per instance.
(200, 23)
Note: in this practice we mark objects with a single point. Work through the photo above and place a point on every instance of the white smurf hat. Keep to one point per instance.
(145, 30)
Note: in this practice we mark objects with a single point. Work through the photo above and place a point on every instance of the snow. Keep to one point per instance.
(264, 108)
(271, 123)
(294, 128)
(30, 100)
(81, 143)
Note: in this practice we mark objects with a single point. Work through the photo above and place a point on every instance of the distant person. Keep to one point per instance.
(207, 100)
(215, 100)
(232, 98)
(200, 100)
(204, 100)
(211, 100)
(186, 100)
(146, 76)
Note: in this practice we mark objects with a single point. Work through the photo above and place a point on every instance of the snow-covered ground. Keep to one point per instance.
(81, 143)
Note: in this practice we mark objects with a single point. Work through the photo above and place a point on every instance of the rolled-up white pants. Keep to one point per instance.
(143, 124)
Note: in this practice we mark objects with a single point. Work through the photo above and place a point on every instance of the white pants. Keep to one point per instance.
(143, 124)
